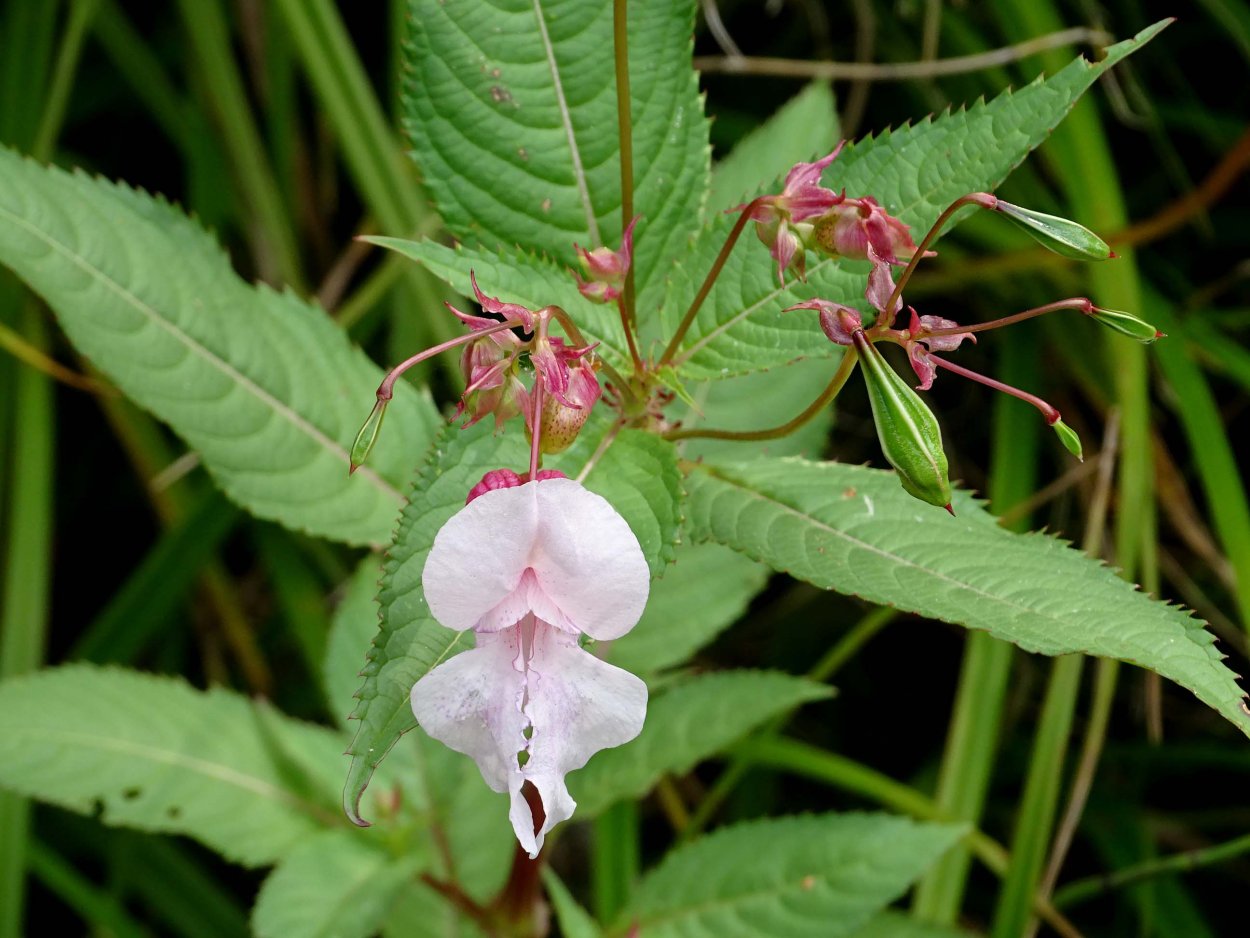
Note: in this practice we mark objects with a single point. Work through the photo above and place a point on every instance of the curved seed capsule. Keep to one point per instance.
(1067, 436)
(1066, 238)
(367, 436)
(911, 439)
(1126, 324)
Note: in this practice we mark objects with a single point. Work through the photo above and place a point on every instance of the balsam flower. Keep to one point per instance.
(605, 269)
(530, 568)
(781, 220)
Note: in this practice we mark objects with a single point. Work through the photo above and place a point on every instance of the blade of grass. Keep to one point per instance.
(300, 593)
(976, 721)
(371, 150)
(1213, 454)
(94, 906)
(26, 44)
(616, 859)
(273, 242)
(1081, 155)
(27, 585)
(142, 71)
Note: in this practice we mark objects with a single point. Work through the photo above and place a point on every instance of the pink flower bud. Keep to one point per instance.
(605, 268)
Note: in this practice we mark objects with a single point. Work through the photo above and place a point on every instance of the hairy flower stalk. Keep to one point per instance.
(530, 567)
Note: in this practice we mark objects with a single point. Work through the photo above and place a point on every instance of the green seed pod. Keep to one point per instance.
(1126, 324)
(909, 433)
(1067, 436)
(1066, 238)
(367, 436)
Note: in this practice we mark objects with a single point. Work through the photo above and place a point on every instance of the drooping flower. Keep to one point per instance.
(780, 219)
(852, 226)
(530, 568)
(606, 269)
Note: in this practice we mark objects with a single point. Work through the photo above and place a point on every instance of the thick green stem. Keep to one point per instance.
(616, 859)
(273, 241)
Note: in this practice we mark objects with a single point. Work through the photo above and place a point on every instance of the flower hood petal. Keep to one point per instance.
(479, 555)
(587, 560)
(584, 557)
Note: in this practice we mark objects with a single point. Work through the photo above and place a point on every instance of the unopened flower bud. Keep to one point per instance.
(911, 439)
(1126, 324)
(495, 479)
(367, 436)
(564, 415)
(1066, 238)
(1067, 436)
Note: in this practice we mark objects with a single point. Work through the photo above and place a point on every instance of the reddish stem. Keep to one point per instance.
(710, 279)
(1081, 303)
(386, 389)
(1049, 412)
(983, 199)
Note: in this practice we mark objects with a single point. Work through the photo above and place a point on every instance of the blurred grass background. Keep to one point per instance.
(274, 124)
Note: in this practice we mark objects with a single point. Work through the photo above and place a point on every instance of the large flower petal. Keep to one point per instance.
(473, 702)
(577, 705)
(479, 556)
(587, 560)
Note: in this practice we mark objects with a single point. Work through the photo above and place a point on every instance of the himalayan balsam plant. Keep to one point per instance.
(567, 537)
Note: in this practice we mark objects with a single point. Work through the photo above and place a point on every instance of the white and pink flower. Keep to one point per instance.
(531, 568)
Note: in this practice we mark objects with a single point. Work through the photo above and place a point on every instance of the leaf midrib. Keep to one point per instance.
(213, 770)
(775, 891)
(298, 421)
(566, 117)
(880, 552)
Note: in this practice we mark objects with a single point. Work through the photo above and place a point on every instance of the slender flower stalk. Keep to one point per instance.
(684, 326)
(983, 199)
(1078, 303)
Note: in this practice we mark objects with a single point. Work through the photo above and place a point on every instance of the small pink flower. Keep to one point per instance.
(605, 268)
(921, 344)
(839, 323)
(559, 362)
(491, 383)
(776, 216)
(530, 568)
(492, 304)
(853, 227)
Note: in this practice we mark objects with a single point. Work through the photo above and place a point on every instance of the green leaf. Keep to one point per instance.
(575, 922)
(511, 108)
(821, 876)
(261, 384)
(803, 129)
(338, 884)
(153, 753)
(703, 592)
(852, 529)
(686, 724)
(638, 474)
(914, 171)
